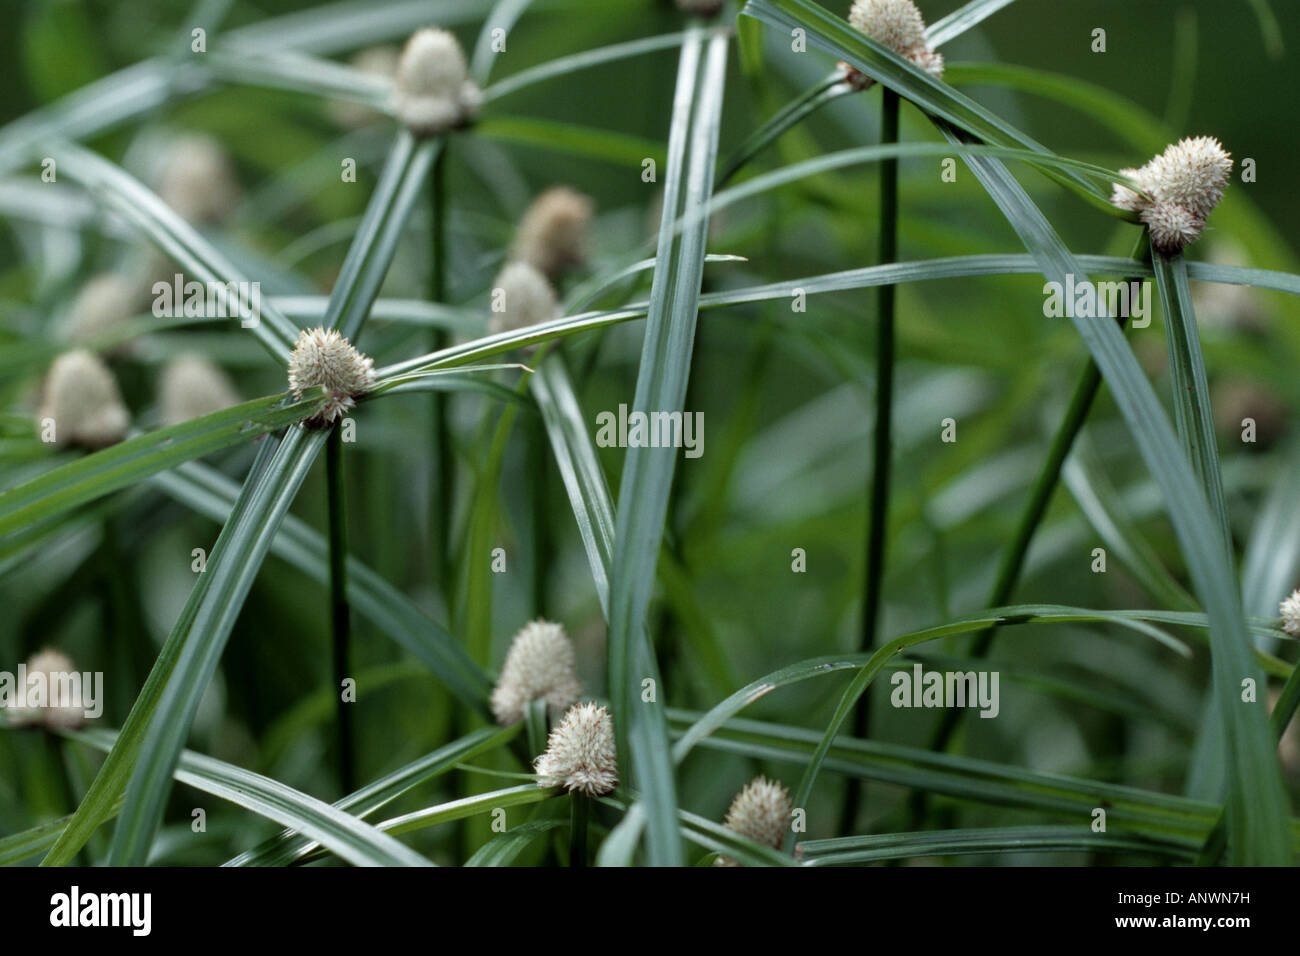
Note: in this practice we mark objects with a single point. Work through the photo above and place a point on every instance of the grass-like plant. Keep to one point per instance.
(476, 634)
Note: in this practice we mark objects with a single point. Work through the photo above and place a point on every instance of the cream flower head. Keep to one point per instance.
(521, 296)
(552, 234)
(324, 357)
(1184, 184)
(1290, 611)
(83, 402)
(431, 89)
(539, 666)
(580, 752)
(60, 707)
(198, 180)
(105, 301)
(760, 812)
(898, 25)
(190, 386)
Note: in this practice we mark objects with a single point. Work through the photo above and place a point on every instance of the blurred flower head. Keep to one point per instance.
(190, 386)
(82, 401)
(198, 181)
(539, 666)
(521, 296)
(431, 89)
(552, 234)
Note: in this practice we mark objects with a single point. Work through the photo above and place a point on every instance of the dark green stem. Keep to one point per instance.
(878, 488)
(579, 813)
(340, 616)
(1040, 495)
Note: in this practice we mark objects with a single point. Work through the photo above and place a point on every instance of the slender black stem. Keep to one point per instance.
(340, 616)
(580, 811)
(878, 488)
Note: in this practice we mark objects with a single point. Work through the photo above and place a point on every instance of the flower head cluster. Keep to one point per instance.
(190, 386)
(760, 812)
(1184, 184)
(324, 357)
(898, 25)
(539, 666)
(431, 89)
(580, 752)
(552, 234)
(82, 402)
(59, 705)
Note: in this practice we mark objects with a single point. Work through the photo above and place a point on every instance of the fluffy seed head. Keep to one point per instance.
(761, 812)
(521, 297)
(580, 752)
(82, 400)
(190, 386)
(106, 300)
(898, 25)
(61, 707)
(431, 91)
(552, 234)
(1184, 184)
(539, 666)
(198, 180)
(1290, 611)
(324, 357)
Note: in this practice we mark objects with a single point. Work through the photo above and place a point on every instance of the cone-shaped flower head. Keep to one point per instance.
(1290, 611)
(761, 812)
(190, 386)
(431, 91)
(52, 698)
(539, 666)
(106, 300)
(521, 297)
(82, 401)
(324, 357)
(198, 180)
(580, 752)
(552, 235)
(898, 25)
(1184, 184)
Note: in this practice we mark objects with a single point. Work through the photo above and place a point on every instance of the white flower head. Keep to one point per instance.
(521, 296)
(552, 234)
(61, 698)
(82, 401)
(324, 357)
(190, 386)
(105, 301)
(898, 25)
(1290, 611)
(539, 666)
(580, 752)
(198, 180)
(1182, 185)
(760, 812)
(431, 89)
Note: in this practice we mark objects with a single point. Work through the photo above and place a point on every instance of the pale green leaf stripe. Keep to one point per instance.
(202, 634)
(138, 205)
(847, 851)
(962, 19)
(503, 848)
(647, 473)
(1175, 818)
(213, 494)
(579, 61)
(288, 847)
(109, 469)
(102, 797)
(357, 842)
(834, 35)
